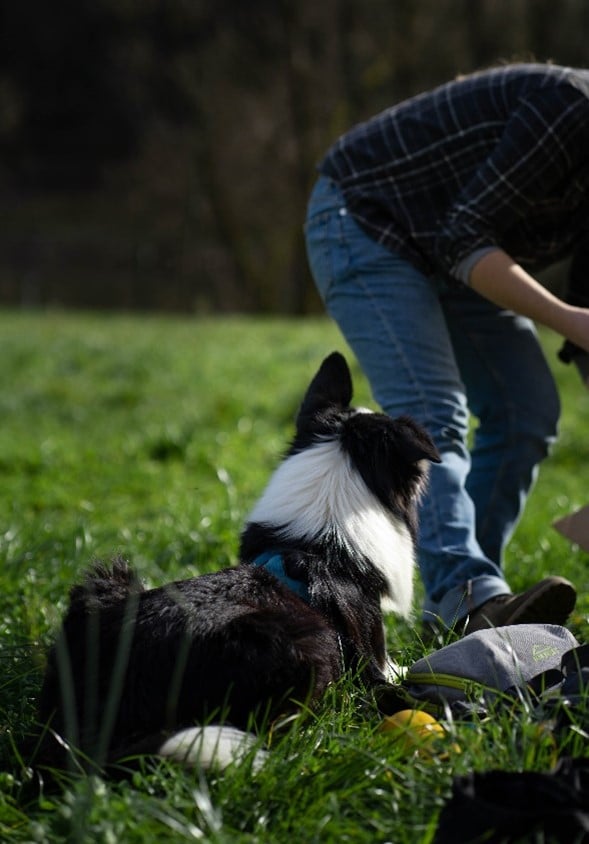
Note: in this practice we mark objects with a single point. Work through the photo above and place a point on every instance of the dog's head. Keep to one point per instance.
(346, 492)
(391, 455)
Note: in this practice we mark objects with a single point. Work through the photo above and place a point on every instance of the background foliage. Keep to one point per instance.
(158, 154)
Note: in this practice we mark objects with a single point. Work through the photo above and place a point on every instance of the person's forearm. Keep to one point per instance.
(500, 279)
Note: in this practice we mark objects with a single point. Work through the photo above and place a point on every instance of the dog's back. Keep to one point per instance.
(131, 666)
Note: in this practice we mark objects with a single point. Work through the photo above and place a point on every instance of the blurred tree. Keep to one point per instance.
(159, 153)
(70, 108)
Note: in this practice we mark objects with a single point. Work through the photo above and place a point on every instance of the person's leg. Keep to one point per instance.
(512, 393)
(391, 316)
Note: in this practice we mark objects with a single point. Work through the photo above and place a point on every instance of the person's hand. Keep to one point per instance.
(576, 327)
(577, 342)
(500, 279)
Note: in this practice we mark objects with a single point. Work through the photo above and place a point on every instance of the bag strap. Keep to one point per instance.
(575, 660)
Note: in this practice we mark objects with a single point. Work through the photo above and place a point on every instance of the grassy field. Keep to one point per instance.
(152, 437)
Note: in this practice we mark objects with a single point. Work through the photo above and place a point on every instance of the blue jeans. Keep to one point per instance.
(438, 353)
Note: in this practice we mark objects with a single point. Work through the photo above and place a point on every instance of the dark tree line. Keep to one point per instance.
(159, 153)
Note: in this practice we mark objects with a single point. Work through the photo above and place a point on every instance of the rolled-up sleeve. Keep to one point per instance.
(543, 143)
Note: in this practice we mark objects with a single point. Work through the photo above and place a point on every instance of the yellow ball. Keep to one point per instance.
(414, 730)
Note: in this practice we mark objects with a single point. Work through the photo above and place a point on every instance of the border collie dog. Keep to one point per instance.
(327, 548)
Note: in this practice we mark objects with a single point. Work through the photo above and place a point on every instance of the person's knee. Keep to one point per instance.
(533, 430)
(550, 417)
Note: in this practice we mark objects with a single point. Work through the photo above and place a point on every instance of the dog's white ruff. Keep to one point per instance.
(317, 492)
(212, 747)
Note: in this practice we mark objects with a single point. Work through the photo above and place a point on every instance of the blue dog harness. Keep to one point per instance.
(273, 562)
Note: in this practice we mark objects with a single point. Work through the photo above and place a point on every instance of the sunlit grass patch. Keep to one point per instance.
(151, 438)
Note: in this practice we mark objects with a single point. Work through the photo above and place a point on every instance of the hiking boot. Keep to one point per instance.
(548, 602)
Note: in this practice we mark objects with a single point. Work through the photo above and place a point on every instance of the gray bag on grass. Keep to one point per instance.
(484, 666)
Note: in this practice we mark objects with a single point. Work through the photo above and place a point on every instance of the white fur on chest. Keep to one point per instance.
(317, 492)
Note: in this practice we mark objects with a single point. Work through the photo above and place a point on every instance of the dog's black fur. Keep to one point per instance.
(132, 666)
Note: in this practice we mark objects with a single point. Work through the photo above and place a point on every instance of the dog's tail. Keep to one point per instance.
(105, 586)
(213, 747)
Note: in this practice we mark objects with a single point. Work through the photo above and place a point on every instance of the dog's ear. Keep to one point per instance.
(416, 442)
(331, 386)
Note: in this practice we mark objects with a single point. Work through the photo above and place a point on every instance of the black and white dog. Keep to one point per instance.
(327, 548)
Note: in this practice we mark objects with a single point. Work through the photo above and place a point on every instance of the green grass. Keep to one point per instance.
(152, 437)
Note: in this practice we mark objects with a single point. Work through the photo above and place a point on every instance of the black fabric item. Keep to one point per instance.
(570, 352)
(497, 807)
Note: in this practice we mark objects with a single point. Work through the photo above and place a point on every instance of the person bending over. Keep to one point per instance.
(423, 232)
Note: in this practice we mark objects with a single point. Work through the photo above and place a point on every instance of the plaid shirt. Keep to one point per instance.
(496, 159)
